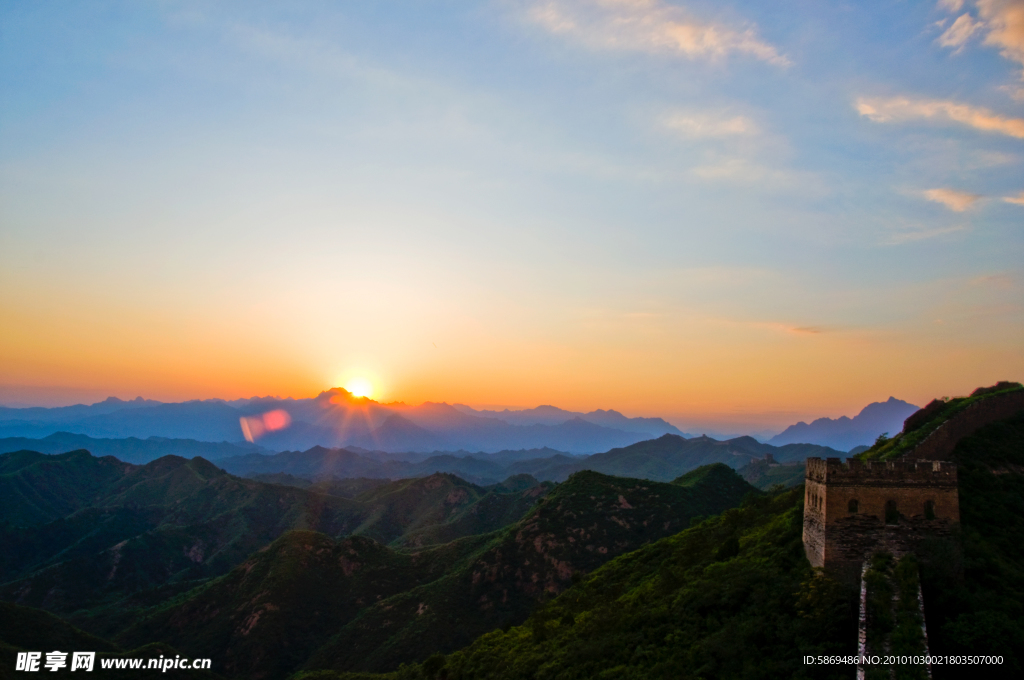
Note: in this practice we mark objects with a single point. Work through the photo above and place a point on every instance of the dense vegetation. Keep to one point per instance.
(732, 597)
(974, 601)
(764, 476)
(134, 562)
(31, 630)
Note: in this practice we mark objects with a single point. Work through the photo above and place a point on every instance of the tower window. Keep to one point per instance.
(853, 506)
(929, 509)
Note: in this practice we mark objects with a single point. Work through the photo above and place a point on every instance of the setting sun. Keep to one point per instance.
(359, 387)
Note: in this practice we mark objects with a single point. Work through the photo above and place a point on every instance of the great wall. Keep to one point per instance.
(858, 511)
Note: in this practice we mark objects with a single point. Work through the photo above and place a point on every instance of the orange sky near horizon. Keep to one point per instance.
(686, 369)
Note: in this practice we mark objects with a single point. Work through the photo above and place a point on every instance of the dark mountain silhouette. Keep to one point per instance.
(669, 456)
(845, 433)
(130, 449)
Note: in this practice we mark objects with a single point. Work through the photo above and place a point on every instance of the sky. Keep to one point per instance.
(729, 213)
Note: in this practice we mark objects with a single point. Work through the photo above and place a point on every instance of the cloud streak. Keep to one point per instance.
(921, 235)
(651, 26)
(903, 109)
(957, 201)
(1016, 200)
(708, 125)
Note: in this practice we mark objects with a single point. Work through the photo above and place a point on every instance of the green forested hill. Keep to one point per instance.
(311, 599)
(270, 613)
(158, 528)
(580, 525)
(36, 488)
(733, 597)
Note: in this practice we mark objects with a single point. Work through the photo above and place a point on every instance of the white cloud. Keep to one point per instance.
(922, 234)
(1018, 199)
(651, 26)
(960, 32)
(951, 5)
(957, 201)
(901, 109)
(697, 125)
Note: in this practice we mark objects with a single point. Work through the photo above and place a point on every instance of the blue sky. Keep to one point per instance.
(738, 212)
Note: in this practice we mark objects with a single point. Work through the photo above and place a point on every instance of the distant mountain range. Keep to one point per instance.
(846, 433)
(662, 459)
(335, 418)
(130, 449)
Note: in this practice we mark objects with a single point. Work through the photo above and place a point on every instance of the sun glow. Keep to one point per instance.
(359, 387)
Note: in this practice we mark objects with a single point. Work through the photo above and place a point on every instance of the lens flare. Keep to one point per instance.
(254, 427)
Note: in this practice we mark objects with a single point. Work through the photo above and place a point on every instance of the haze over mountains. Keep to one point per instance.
(335, 418)
(662, 459)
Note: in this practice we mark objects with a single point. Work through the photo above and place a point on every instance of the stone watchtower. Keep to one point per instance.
(852, 510)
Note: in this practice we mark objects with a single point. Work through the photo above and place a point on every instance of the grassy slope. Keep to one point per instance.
(733, 597)
(580, 525)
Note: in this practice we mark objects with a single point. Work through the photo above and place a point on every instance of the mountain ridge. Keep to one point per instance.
(845, 433)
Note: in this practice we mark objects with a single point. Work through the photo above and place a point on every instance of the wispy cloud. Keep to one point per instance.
(1001, 20)
(902, 109)
(1005, 22)
(957, 201)
(999, 281)
(698, 125)
(921, 234)
(1017, 200)
(1016, 93)
(651, 26)
(960, 32)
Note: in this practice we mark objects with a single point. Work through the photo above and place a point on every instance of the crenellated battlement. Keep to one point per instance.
(903, 472)
(855, 507)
